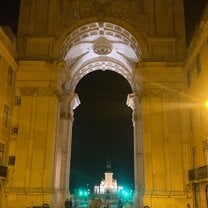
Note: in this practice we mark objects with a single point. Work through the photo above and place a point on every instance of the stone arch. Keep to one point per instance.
(89, 46)
(108, 47)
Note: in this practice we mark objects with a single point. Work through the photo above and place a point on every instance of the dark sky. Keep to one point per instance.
(9, 12)
(193, 10)
(102, 126)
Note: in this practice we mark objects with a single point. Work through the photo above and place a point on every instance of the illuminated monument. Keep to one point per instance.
(109, 184)
(61, 41)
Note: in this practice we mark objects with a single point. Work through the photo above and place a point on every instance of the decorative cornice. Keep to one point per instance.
(38, 91)
(20, 190)
(163, 93)
(165, 193)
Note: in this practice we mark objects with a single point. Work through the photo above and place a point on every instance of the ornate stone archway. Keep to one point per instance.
(98, 46)
(49, 70)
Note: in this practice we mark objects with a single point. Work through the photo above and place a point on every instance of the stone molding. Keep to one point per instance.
(19, 190)
(163, 93)
(161, 194)
(38, 91)
(68, 102)
(133, 100)
(102, 63)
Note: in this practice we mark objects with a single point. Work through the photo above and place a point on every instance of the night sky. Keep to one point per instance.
(9, 12)
(102, 123)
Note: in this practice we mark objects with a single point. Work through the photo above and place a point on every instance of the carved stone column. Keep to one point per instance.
(68, 102)
(133, 101)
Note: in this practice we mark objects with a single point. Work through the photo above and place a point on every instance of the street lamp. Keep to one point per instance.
(206, 104)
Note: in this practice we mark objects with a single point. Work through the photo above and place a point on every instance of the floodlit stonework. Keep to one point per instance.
(58, 43)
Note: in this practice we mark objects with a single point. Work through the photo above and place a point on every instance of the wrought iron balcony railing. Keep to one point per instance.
(193, 174)
(203, 172)
(3, 171)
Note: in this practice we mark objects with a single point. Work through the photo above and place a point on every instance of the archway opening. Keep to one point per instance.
(102, 130)
(102, 46)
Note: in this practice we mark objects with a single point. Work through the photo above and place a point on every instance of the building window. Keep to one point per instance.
(1, 153)
(15, 130)
(205, 151)
(194, 157)
(198, 63)
(9, 76)
(11, 160)
(18, 100)
(189, 78)
(5, 116)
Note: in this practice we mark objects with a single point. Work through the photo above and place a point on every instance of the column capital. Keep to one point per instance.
(133, 100)
(68, 102)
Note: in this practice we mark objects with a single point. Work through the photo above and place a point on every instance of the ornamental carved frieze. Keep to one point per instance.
(131, 11)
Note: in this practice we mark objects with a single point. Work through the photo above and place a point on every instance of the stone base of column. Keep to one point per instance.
(138, 199)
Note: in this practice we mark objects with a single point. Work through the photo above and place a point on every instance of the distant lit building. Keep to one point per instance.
(109, 184)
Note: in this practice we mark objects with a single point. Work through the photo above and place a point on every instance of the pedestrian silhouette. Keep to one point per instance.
(120, 204)
(68, 203)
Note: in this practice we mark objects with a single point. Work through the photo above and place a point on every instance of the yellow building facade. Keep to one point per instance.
(8, 68)
(61, 41)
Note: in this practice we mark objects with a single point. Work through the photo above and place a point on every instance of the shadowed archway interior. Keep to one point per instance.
(102, 129)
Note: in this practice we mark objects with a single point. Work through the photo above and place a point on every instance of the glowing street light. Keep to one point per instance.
(206, 104)
(83, 193)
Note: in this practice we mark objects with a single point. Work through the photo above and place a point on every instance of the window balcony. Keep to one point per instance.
(203, 172)
(3, 171)
(193, 175)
